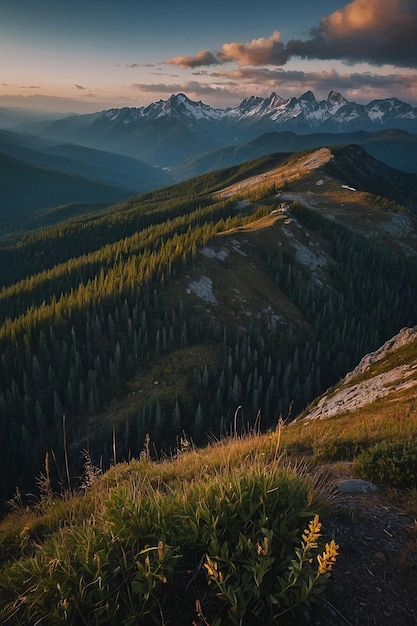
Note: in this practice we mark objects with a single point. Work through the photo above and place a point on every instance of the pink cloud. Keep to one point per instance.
(373, 31)
(262, 51)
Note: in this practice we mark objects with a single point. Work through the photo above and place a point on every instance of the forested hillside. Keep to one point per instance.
(25, 189)
(98, 324)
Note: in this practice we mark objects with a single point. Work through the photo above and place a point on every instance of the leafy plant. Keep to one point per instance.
(214, 549)
(250, 584)
(393, 463)
(340, 449)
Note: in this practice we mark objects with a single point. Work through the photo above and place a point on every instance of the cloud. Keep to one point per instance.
(270, 51)
(52, 105)
(79, 87)
(160, 72)
(135, 65)
(358, 86)
(193, 89)
(204, 57)
(374, 31)
(262, 51)
(331, 76)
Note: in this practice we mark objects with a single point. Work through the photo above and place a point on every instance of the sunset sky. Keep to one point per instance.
(89, 55)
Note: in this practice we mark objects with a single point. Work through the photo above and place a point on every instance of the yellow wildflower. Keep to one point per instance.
(264, 548)
(328, 559)
(211, 567)
(312, 533)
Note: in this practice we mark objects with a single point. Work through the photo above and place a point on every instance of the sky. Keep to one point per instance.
(80, 56)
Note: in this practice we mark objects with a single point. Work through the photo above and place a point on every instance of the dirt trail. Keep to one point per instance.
(374, 582)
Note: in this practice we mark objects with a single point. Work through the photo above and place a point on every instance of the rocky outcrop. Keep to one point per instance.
(366, 383)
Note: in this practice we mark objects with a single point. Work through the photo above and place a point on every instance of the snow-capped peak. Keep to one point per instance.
(301, 114)
(335, 100)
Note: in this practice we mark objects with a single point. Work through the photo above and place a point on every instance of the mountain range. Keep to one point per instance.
(77, 161)
(275, 295)
(167, 132)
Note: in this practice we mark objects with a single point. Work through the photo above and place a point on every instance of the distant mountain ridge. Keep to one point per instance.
(303, 114)
(395, 148)
(37, 174)
(168, 132)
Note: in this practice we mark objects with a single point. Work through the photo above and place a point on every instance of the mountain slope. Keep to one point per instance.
(234, 298)
(387, 374)
(25, 189)
(95, 165)
(395, 148)
(162, 141)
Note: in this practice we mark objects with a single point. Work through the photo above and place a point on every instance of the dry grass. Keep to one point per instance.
(380, 421)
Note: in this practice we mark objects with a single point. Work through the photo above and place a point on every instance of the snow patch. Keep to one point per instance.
(235, 244)
(213, 254)
(232, 246)
(307, 256)
(203, 288)
(270, 319)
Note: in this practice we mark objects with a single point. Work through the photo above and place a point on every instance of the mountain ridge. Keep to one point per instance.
(167, 132)
(396, 148)
(27, 189)
(278, 110)
(41, 175)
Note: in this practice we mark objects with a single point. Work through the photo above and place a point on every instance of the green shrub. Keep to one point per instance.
(224, 550)
(389, 462)
(338, 450)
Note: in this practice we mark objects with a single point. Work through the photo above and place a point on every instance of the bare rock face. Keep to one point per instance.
(406, 335)
(363, 386)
